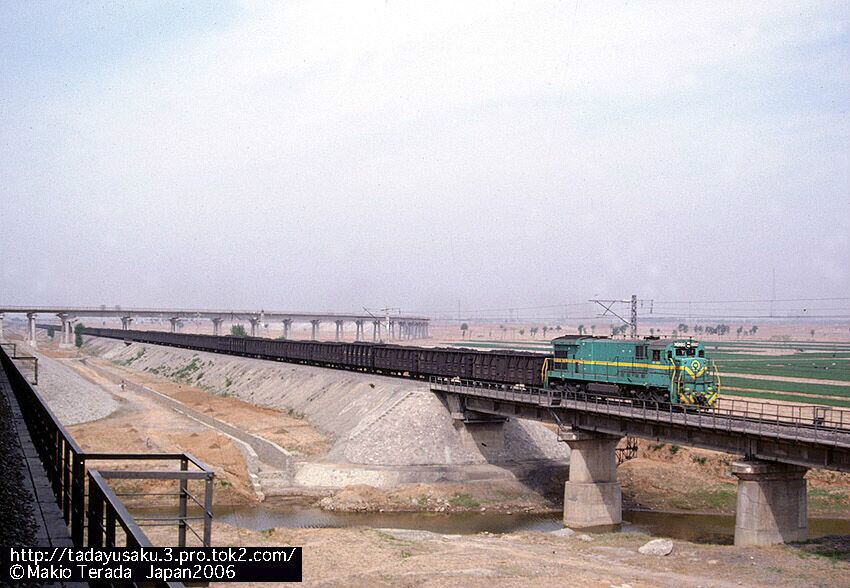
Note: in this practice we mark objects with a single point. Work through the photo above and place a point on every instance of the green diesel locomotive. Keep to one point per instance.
(674, 371)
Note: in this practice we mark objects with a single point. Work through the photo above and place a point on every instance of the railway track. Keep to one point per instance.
(510, 376)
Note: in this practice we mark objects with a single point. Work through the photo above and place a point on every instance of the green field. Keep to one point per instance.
(787, 398)
(821, 369)
(780, 386)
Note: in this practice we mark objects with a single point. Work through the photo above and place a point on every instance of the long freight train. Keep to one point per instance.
(660, 370)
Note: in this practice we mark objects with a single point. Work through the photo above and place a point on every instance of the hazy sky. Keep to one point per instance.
(422, 155)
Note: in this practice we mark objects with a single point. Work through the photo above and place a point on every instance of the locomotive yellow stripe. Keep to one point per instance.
(615, 363)
(631, 364)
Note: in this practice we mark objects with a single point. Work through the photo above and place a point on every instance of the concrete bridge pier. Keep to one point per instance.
(358, 331)
(315, 329)
(339, 325)
(255, 321)
(1, 325)
(217, 326)
(287, 328)
(376, 331)
(31, 329)
(126, 322)
(485, 432)
(592, 496)
(66, 340)
(771, 504)
(175, 324)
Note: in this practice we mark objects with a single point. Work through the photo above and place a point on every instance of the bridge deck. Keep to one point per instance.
(812, 436)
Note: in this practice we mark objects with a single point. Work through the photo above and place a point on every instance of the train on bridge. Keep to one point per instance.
(674, 371)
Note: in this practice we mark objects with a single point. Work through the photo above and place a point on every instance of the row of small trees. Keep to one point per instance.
(78, 333)
(464, 329)
(720, 329)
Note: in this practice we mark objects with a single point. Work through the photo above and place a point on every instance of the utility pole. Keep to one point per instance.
(634, 316)
(607, 304)
(773, 293)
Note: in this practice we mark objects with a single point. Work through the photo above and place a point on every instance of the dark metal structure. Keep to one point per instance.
(12, 350)
(95, 507)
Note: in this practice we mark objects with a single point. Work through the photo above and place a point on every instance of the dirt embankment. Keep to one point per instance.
(671, 477)
(364, 454)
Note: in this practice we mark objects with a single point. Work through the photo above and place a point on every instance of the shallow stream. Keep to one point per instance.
(698, 528)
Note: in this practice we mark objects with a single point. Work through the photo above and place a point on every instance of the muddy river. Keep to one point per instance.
(697, 528)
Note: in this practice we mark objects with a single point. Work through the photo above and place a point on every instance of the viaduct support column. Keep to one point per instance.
(592, 496)
(70, 332)
(31, 329)
(217, 326)
(338, 330)
(287, 328)
(771, 503)
(315, 330)
(358, 331)
(1, 325)
(65, 341)
(126, 322)
(254, 322)
(376, 330)
(175, 323)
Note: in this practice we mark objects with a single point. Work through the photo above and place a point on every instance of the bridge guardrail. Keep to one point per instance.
(822, 424)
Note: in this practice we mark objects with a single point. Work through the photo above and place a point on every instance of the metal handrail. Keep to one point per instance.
(64, 462)
(794, 420)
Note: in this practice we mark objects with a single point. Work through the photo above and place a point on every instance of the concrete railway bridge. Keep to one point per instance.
(779, 443)
(394, 327)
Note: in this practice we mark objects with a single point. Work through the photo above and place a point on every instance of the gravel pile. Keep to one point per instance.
(17, 519)
(72, 399)
(373, 420)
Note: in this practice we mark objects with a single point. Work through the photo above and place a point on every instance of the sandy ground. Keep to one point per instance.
(386, 557)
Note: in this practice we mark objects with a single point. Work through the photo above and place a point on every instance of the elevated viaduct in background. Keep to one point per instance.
(393, 328)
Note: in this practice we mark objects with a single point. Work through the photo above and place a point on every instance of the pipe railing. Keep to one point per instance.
(822, 424)
(65, 463)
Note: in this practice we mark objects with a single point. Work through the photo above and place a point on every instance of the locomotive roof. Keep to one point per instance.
(654, 342)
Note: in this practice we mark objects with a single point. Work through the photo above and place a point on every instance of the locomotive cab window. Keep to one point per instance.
(680, 352)
(640, 352)
(702, 353)
(656, 355)
(669, 354)
(691, 352)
